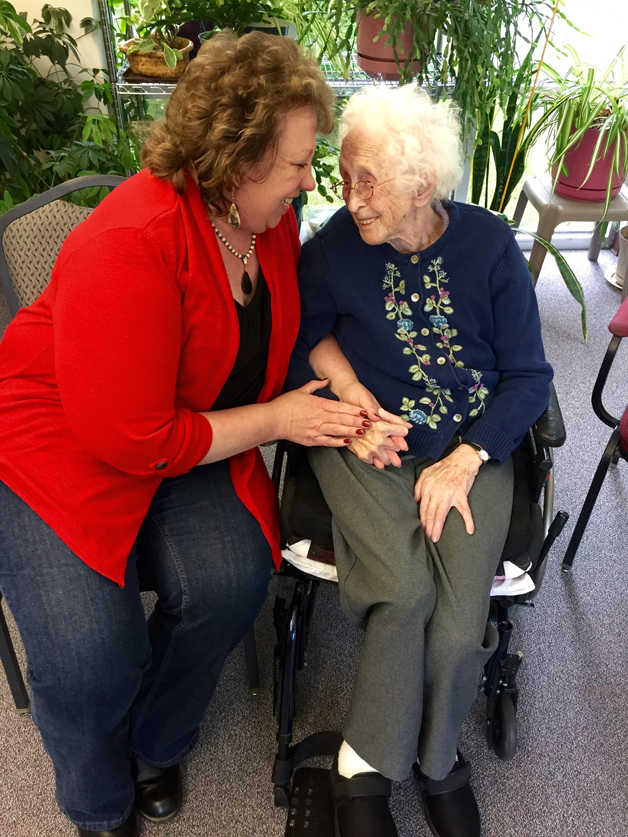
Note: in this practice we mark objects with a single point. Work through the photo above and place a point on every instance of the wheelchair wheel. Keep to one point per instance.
(504, 727)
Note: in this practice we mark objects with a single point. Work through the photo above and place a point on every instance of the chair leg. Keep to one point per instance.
(589, 502)
(595, 243)
(252, 664)
(520, 208)
(545, 229)
(11, 666)
(289, 624)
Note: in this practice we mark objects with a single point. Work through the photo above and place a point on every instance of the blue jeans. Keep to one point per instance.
(105, 684)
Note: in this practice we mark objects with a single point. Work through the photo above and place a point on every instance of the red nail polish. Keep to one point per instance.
(347, 441)
(360, 432)
(366, 424)
(364, 414)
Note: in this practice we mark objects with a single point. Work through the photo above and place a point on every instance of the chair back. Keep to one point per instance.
(32, 233)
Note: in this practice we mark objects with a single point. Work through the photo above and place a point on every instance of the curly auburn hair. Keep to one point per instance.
(225, 113)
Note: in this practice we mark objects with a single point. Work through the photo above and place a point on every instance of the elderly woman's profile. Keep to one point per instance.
(420, 310)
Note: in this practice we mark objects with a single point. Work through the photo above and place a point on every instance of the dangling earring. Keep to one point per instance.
(234, 216)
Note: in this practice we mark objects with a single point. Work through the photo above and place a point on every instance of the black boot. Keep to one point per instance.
(158, 792)
(361, 805)
(127, 829)
(449, 804)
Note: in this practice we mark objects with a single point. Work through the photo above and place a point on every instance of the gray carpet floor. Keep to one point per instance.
(569, 774)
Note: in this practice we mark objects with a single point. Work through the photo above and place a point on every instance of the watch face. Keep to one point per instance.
(484, 455)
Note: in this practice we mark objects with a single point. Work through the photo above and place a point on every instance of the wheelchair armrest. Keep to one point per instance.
(549, 428)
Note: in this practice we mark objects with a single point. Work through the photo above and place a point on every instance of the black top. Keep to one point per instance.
(249, 370)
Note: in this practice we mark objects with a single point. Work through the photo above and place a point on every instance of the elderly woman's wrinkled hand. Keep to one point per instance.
(381, 442)
(446, 485)
(307, 419)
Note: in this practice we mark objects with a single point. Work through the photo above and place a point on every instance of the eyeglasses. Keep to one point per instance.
(363, 189)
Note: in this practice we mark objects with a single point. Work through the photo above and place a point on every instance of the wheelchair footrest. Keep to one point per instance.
(311, 812)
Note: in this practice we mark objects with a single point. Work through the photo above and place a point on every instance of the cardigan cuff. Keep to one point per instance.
(494, 441)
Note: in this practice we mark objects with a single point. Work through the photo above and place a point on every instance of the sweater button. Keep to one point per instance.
(415, 297)
(457, 417)
(425, 332)
(159, 466)
(440, 360)
(414, 259)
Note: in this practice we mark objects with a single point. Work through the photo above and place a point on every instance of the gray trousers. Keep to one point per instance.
(423, 606)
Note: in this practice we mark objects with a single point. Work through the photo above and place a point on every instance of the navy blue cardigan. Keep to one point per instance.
(449, 337)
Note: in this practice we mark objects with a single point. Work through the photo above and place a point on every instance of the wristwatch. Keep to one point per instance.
(484, 455)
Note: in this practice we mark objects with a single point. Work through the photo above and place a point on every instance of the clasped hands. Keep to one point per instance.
(379, 443)
(440, 487)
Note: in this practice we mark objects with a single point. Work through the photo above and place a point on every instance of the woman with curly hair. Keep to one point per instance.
(133, 395)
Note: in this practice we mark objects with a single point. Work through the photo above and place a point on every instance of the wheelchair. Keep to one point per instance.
(305, 515)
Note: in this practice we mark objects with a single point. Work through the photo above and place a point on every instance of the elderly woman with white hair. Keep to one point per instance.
(422, 307)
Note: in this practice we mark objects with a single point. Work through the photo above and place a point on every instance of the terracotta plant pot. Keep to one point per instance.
(577, 162)
(152, 64)
(378, 59)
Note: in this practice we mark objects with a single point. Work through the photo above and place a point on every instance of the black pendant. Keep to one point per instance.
(246, 284)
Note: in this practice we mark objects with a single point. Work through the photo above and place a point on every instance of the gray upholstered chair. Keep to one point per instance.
(31, 235)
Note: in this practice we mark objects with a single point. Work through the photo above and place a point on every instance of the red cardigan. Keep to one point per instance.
(102, 377)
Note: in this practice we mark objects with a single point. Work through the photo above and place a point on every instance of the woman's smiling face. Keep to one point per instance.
(266, 194)
(384, 216)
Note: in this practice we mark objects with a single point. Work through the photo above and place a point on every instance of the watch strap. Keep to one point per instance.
(484, 455)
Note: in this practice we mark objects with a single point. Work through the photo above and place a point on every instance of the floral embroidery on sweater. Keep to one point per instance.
(434, 404)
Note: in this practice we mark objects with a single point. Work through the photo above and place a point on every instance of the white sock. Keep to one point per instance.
(350, 763)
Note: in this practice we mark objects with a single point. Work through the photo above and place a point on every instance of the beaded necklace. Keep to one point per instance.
(245, 282)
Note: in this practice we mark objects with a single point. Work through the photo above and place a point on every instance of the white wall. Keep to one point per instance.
(603, 26)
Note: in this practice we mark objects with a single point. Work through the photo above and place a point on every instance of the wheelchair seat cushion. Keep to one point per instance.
(304, 512)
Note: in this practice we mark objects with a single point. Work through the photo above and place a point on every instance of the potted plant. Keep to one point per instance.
(158, 51)
(461, 48)
(385, 49)
(240, 16)
(584, 115)
(49, 132)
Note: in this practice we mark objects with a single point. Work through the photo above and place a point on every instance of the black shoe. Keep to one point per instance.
(361, 805)
(158, 797)
(449, 804)
(127, 829)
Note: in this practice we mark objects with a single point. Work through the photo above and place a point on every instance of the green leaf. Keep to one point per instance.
(89, 24)
(569, 277)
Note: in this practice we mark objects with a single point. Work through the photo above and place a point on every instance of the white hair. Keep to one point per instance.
(422, 137)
